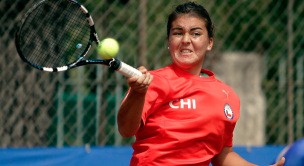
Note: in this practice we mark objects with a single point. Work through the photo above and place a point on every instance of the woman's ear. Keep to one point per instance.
(210, 44)
(168, 44)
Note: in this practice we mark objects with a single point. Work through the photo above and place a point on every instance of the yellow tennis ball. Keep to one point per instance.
(108, 48)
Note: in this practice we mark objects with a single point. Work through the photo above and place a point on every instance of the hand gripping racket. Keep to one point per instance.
(56, 35)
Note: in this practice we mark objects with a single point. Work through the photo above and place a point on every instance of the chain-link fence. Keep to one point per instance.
(78, 107)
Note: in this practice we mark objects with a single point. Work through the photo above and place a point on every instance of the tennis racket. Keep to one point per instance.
(56, 35)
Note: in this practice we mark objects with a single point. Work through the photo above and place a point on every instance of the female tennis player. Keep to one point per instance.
(181, 114)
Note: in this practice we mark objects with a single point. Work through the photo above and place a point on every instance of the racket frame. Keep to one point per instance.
(112, 63)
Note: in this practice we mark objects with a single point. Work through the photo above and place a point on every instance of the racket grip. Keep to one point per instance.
(126, 69)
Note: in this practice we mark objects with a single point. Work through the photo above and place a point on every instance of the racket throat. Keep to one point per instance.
(124, 68)
(114, 64)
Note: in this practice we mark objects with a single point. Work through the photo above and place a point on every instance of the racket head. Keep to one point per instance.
(54, 35)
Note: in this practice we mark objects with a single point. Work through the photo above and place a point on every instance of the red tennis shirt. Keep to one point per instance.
(186, 119)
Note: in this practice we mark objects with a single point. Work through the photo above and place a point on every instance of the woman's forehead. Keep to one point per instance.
(188, 20)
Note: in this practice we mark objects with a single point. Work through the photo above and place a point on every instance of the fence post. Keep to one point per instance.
(290, 83)
(142, 31)
(118, 99)
(60, 111)
(299, 99)
(80, 109)
(99, 91)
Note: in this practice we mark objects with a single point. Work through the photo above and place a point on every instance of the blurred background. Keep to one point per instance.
(258, 42)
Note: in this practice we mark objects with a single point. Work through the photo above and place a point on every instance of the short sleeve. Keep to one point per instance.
(156, 94)
(231, 127)
(229, 136)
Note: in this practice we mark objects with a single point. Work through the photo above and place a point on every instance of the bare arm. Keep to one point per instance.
(130, 112)
(228, 157)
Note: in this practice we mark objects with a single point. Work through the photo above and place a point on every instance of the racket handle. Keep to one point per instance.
(125, 69)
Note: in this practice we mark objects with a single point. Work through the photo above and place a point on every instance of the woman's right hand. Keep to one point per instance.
(140, 84)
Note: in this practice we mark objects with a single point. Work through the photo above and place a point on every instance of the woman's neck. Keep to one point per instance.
(193, 70)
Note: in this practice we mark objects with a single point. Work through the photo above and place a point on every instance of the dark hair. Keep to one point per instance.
(191, 8)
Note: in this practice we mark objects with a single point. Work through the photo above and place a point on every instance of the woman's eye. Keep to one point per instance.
(177, 33)
(196, 34)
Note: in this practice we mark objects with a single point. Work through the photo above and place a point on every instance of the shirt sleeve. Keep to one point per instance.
(229, 141)
(156, 94)
(230, 129)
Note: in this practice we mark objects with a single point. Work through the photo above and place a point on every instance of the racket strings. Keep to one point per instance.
(50, 40)
(51, 33)
(37, 36)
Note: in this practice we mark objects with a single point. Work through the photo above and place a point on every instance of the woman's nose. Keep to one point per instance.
(186, 39)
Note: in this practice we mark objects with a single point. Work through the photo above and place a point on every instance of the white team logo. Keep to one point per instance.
(183, 103)
(228, 112)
